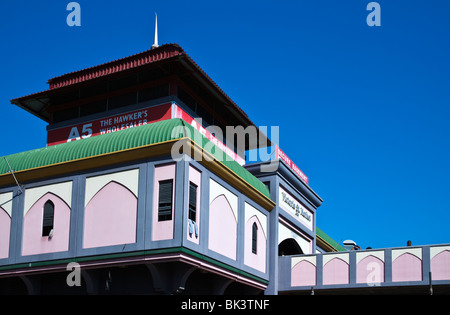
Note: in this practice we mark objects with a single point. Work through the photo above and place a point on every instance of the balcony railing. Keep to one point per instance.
(403, 268)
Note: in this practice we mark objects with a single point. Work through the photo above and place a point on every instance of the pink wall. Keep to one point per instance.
(336, 271)
(5, 229)
(258, 260)
(407, 267)
(222, 228)
(33, 242)
(162, 230)
(440, 266)
(370, 270)
(303, 274)
(110, 217)
(195, 178)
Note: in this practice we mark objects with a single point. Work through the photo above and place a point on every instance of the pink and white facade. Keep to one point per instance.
(421, 269)
(107, 194)
(109, 218)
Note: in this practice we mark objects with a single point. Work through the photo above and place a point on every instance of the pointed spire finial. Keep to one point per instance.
(155, 42)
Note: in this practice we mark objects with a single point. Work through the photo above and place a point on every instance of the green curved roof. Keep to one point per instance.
(122, 140)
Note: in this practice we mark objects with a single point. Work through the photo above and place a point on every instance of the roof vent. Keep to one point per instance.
(350, 245)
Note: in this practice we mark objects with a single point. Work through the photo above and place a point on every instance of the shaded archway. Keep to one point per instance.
(236, 288)
(125, 280)
(12, 286)
(289, 247)
(202, 282)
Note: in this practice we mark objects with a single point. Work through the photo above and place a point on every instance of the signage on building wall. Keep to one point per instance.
(109, 124)
(180, 113)
(280, 155)
(290, 204)
(132, 119)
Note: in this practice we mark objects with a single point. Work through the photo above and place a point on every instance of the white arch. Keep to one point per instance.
(62, 190)
(284, 233)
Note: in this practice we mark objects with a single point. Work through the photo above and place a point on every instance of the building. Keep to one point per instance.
(145, 199)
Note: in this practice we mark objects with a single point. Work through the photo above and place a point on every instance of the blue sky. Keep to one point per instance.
(363, 111)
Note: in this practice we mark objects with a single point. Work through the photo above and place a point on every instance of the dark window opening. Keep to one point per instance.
(165, 200)
(93, 108)
(186, 99)
(254, 238)
(65, 114)
(153, 93)
(65, 97)
(47, 222)
(199, 110)
(93, 90)
(205, 115)
(192, 202)
(123, 82)
(122, 100)
(151, 74)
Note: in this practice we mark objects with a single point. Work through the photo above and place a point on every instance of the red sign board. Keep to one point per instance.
(280, 155)
(109, 124)
(129, 120)
(180, 113)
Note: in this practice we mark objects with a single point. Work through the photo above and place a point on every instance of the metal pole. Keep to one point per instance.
(20, 188)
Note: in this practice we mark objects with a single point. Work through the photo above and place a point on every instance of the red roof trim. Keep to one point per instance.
(147, 57)
(134, 61)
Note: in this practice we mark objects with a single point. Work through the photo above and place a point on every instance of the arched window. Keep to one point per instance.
(254, 237)
(47, 222)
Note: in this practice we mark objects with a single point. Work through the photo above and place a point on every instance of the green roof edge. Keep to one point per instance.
(329, 240)
(130, 138)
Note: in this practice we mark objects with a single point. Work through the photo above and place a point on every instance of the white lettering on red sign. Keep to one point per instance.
(180, 113)
(282, 156)
(109, 124)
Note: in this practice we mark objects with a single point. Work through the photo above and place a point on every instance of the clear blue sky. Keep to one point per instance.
(363, 111)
